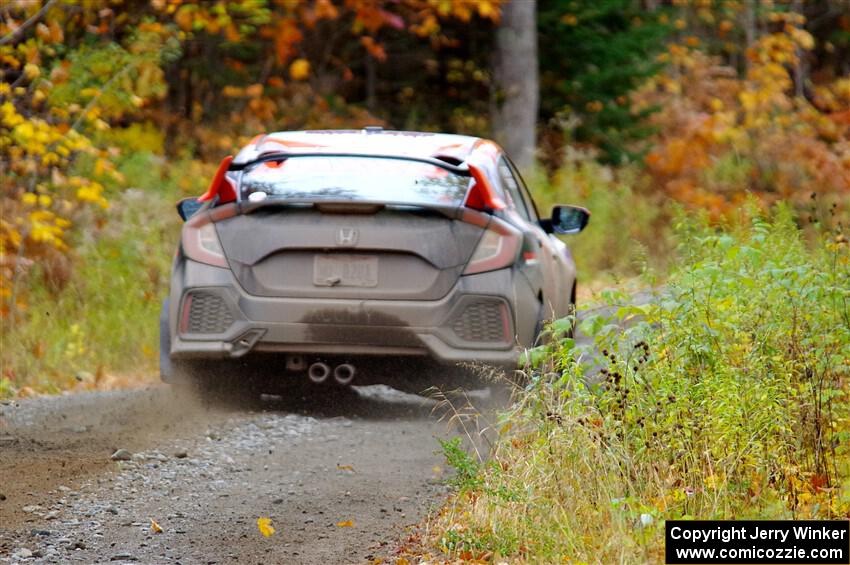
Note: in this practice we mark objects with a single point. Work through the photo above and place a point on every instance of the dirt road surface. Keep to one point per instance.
(206, 473)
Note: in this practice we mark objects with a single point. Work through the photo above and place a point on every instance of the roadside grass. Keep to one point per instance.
(628, 234)
(726, 398)
(101, 327)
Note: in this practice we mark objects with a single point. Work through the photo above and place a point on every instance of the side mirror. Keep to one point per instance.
(569, 219)
(188, 207)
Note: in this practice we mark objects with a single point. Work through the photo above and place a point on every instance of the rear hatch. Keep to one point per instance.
(410, 253)
(349, 226)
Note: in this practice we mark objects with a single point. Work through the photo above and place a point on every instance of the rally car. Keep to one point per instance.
(320, 256)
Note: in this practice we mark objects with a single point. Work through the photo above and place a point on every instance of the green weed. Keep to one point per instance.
(467, 469)
(727, 397)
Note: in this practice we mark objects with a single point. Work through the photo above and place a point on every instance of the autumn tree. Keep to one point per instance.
(62, 87)
(321, 64)
(726, 138)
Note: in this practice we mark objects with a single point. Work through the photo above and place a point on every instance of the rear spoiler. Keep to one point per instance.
(338, 205)
(461, 170)
(481, 195)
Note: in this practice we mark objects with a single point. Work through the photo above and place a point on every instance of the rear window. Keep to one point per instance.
(355, 178)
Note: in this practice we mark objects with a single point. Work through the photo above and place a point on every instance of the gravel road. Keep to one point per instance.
(343, 479)
(205, 474)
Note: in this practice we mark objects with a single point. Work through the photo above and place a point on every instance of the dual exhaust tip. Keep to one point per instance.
(343, 374)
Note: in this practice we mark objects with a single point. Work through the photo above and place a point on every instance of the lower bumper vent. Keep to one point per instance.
(206, 313)
(482, 321)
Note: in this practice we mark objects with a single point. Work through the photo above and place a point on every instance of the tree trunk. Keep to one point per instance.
(750, 28)
(517, 95)
(371, 80)
(800, 68)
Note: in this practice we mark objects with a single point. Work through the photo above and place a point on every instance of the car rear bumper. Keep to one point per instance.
(213, 317)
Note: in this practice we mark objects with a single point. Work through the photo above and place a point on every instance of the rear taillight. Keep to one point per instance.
(497, 249)
(200, 241)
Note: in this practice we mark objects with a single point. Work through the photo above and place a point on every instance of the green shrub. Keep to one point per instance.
(725, 398)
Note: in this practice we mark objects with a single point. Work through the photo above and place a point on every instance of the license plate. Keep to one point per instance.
(345, 270)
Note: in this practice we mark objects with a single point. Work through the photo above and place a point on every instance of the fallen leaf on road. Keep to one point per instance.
(155, 528)
(265, 526)
(346, 524)
(345, 467)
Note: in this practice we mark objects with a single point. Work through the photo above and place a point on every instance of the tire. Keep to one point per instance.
(540, 325)
(166, 366)
(573, 312)
(184, 373)
(193, 376)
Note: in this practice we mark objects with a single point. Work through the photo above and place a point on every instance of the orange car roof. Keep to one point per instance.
(366, 141)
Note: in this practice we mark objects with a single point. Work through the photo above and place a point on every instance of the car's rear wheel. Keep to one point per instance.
(573, 311)
(204, 379)
(218, 380)
(166, 366)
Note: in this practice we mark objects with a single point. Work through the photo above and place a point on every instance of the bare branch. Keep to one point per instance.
(34, 18)
(127, 68)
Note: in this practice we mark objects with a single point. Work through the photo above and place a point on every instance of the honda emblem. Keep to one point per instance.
(346, 237)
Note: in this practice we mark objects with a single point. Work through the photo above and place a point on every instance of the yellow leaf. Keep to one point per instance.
(486, 9)
(299, 69)
(185, 18)
(254, 91)
(345, 467)
(43, 32)
(155, 528)
(56, 33)
(346, 524)
(31, 70)
(265, 526)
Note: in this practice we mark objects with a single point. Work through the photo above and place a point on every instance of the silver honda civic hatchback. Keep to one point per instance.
(358, 257)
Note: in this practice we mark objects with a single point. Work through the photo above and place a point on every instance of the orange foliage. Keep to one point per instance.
(300, 88)
(724, 137)
(285, 24)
